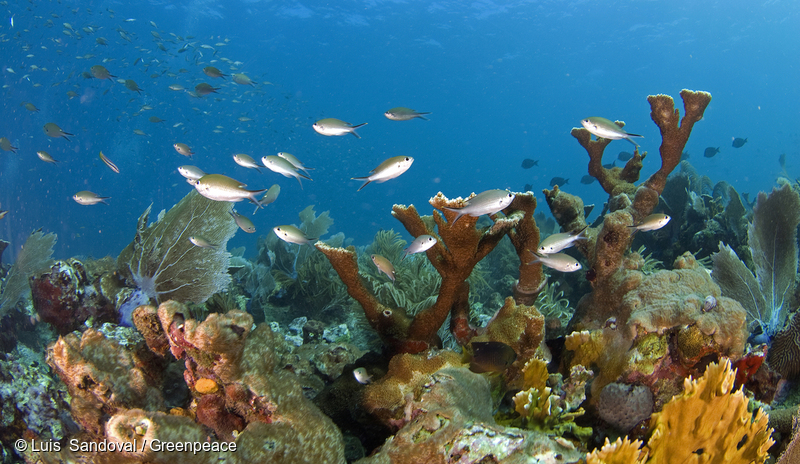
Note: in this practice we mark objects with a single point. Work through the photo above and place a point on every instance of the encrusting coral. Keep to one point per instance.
(164, 264)
(708, 422)
(460, 246)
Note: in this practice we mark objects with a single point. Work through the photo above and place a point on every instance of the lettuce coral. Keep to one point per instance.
(164, 264)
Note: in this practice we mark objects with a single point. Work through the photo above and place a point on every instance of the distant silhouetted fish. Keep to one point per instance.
(528, 163)
(711, 151)
(528, 187)
(624, 156)
(558, 181)
(587, 179)
(738, 142)
(610, 165)
(685, 156)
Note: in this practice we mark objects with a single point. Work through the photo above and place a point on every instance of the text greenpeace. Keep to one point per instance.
(156, 446)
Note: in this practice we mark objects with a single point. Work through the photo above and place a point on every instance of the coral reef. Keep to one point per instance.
(67, 296)
(460, 246)
(164, 264)
(709, 420)
(444, 415)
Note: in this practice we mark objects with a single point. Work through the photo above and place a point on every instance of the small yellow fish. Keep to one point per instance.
(384, 265)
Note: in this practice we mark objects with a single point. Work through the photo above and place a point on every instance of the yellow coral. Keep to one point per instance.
(709, 422)
(622, 451)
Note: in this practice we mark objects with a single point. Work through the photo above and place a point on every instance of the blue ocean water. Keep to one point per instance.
(504, 81)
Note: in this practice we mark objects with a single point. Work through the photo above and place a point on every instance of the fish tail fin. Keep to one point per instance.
(304, 176)
(366, 181)
(420, 115)
(353, 129)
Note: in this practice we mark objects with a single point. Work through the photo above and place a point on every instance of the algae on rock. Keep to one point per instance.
(165, 265)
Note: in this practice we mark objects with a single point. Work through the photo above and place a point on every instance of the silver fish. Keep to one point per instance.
(244, 223)
(246, 161)
(201, 242)
(402, 113)
(419, 245)
(362, 376)
(222, 188)
(295, 162)
(85, 197)
(389, 169)
(292, 234)
(270, 196)
(607, 129)
(557, 242)
(284, 167)
(191, 173)
(488, 202)
(558, 261)
(652, 222)
(333, 126)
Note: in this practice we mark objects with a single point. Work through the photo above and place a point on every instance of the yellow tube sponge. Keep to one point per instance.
(710, 422)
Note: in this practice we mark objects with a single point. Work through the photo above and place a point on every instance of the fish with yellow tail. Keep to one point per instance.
(218, 187)
(488, 202)
(389, 169)
(291, 234)
(333, 126)
(652, 222)
(607, 129)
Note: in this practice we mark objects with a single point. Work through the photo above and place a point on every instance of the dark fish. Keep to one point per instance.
(489, 356)
(587, 179)
(559, 181)
(624, 156)
(610, 165)
(782, 161)
(587, 210)
(685, 156)
(528, 187)
(710, 152)
(738, 142)
(528, 163)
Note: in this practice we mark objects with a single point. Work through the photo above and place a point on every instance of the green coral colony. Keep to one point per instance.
(327, 352)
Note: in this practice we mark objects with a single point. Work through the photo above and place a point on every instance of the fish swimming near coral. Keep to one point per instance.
(389, 169)
(488, 202)
(558, 181)
(557, 242)
(587, 179)
(624, 156)
(191, 173)
(218, 187)
(420, 244)
(528, 163)
(85, 197)
(244, 223)
(607, 129)
(291, 234)
(489, 356)
(200, 242)
(384, 265)
(362, 376)
(558, 261)
(710, 152)
(652, 222)
(738, 142)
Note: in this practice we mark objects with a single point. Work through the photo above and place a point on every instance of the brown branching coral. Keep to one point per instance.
(460, 246)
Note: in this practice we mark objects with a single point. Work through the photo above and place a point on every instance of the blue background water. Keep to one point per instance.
(504, 80)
